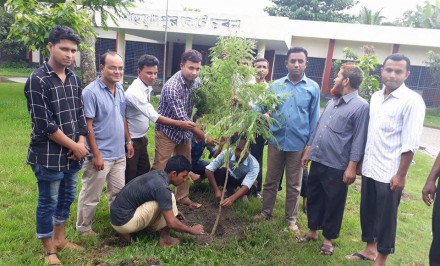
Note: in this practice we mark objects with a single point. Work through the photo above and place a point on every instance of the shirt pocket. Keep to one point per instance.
(339, 124)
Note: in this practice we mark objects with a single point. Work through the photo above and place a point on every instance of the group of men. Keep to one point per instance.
(105, 128)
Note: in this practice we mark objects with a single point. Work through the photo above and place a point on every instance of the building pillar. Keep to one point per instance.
(328, 67)
(120, 43)
(396, 48)
(188, 42)
(261, 48)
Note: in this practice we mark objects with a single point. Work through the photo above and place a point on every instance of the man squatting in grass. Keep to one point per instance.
(296, 119)
(147, 202)
(242, 175)
(335, 148)
(104, 108)
(139, 112)
(394, 130)
(176, 102)
(429, 196)
(56, 150)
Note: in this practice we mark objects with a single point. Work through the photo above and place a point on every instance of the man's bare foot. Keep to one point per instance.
(195, 177)
(66, 244)
(168, 242)
(186, 201)
(89, 232)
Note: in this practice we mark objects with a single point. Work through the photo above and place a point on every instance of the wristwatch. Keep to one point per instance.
(129, 142)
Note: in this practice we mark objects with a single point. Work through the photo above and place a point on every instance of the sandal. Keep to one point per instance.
(326, 250)
(51, 261)
(358, 256)
(305, 239)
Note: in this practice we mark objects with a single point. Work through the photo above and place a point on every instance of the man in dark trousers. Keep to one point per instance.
(335, 148)
(429, 195)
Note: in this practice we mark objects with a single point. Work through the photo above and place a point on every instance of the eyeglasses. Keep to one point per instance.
(113, 68)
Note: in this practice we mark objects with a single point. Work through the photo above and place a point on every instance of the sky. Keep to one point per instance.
(392, 9)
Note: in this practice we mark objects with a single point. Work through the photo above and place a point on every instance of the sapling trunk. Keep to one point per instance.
(219, 213)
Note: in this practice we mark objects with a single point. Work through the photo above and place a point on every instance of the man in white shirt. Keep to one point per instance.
(140, 112)
(394, 130)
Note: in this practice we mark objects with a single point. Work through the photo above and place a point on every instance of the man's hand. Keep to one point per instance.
(187, 125)
(304, 157)
(428, 192)
(130, 150)
(349, 176)
(98, 162)
(211, 142)
(397, 183)
(359, 168)
(218, 195)
(227, 202)
(197, 229)
(78, 152)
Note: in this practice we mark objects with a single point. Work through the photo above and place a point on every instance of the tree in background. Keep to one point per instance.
(8, 46)
(316, 10)
(368, 62)
(34, 19)
(433, 64)
(425, 16)
(368, 16)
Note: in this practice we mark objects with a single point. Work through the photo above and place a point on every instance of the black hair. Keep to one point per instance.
(104, 56)
(354, 74)
(191, 55)
(261, 59)
(297, 49)
(147, 60)
(60, 32)
(178, 163)
(398, 57)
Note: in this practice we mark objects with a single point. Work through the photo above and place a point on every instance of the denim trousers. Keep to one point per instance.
(56, 192)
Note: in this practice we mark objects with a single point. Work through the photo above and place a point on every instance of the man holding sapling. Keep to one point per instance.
(242, 173)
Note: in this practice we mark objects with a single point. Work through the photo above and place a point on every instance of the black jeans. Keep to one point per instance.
(379, 206)
(434, 253)
(139, 164)
(220, 176)
(257, 151)
(326, 196)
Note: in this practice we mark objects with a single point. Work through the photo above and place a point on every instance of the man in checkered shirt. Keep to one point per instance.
(57, 147)
(176, 102)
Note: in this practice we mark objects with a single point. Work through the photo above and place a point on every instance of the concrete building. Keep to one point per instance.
(143, 31)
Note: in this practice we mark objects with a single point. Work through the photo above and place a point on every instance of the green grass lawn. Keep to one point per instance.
(15, 72)
(432, 117)
(266, 243)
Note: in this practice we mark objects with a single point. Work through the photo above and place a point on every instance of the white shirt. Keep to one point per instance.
(395, 127)
(139, 110)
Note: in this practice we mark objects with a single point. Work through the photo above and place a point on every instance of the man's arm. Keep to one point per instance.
(428, 192)
(128, 142)
(230, 200)
(210, 175)
(397, 182)
(314, 110)
(97, 160)
(175, 224)
(78, 149)
(211, 168)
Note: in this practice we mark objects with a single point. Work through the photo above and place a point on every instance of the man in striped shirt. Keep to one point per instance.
(394, 130)
(176, 102)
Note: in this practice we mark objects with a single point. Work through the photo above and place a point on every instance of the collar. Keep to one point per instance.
(142, 85)
(399, 92)
(304, 79)
(48, 69)
(245, 162)
(350, 96)
(102, 85)
(182, 80)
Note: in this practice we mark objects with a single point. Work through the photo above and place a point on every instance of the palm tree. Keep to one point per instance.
(368, 16)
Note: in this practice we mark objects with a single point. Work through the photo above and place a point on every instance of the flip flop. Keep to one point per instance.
(305, 239)
(326, 250)
(357, 256)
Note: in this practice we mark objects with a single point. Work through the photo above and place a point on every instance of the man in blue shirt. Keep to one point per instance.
(104, 108)
(297, 117)
(243, 175)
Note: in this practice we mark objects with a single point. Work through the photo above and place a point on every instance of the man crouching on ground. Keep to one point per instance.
(147, 202)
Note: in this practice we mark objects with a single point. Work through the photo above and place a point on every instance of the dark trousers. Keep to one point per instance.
(198, 167)
(326, 196)
(139, 164)
(220, 176)
(379, 206)
(434, 253)
(257, 151)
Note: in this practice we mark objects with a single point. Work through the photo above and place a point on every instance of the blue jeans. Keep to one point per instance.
(56, 192)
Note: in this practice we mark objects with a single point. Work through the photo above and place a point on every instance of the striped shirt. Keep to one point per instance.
(176, 102)
(395, 127)
(53, 105)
